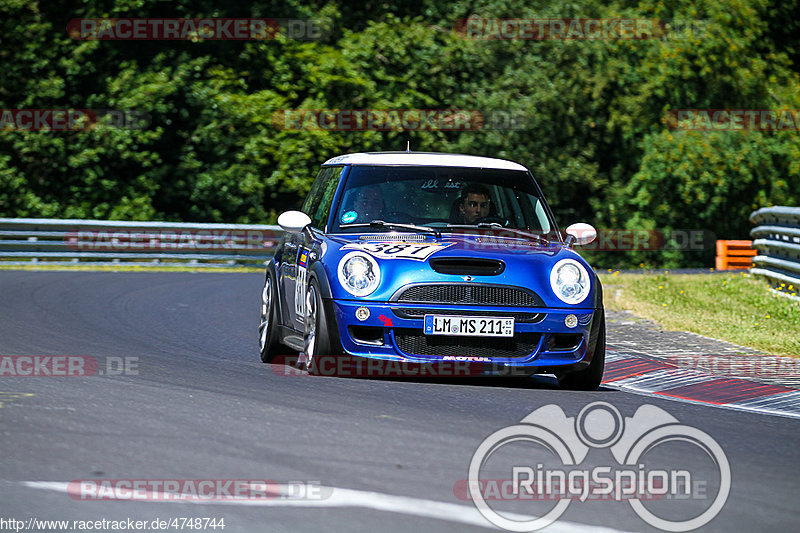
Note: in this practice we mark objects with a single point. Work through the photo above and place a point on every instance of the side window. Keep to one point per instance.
(321, 211)
(315, 194)
(542, 216)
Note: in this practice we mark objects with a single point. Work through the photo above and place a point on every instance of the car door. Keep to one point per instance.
(298, 248)
(288, 274)
(308, 242)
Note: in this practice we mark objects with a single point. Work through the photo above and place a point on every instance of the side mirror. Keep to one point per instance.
(293, 221)
(580, 234)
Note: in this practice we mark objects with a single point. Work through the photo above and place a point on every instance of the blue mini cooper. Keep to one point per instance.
(428, 258)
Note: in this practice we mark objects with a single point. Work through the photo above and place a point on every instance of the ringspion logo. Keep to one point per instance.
(502, 469)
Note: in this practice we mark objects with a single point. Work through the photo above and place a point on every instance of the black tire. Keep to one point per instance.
(589, 378)
(267, 327)
(317, 340)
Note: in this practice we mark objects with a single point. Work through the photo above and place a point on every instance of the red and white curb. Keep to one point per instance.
(652, 376)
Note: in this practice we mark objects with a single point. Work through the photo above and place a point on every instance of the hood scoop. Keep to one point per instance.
(467, 266)
(404, 237)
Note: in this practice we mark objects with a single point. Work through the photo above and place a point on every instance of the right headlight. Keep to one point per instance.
(359, 273)
(570, 281)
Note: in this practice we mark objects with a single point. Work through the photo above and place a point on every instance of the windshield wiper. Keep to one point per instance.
(380, 224)
(495, 225)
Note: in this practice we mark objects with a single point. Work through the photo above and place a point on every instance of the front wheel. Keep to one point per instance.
(317, 340)
(590, 377)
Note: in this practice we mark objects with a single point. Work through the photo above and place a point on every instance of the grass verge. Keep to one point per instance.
(737, 308)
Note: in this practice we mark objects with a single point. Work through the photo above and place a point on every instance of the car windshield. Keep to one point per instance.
(450, 199)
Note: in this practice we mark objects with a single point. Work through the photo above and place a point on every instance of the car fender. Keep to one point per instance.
(598, 293)
(594, 332)
(318, 271)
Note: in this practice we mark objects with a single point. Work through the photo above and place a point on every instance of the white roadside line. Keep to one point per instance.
(451, 512)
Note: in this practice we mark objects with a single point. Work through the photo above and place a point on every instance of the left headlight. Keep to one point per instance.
(570, 281)
(359, 273)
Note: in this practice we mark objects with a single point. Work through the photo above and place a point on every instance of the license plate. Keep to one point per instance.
(469, 326)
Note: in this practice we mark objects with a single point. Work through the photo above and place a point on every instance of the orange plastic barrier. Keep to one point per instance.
(735, 254)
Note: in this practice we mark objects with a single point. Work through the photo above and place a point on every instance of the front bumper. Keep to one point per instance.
(542, 343)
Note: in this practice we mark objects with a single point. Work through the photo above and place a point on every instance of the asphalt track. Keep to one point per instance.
(200, 405)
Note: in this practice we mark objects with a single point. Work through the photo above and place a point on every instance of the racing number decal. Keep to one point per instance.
(300, 285)
(398, 250)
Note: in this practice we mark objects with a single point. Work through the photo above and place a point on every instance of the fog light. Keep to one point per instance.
(570, 321)
(362, 313)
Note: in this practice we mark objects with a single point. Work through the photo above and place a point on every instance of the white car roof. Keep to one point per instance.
(427, 159)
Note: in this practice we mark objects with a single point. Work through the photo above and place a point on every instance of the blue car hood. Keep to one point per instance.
(527, 263)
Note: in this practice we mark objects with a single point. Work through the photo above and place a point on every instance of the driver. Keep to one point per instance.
(474, 204)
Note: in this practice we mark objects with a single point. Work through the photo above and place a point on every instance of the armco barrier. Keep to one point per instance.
(777, 239)
(33, 240)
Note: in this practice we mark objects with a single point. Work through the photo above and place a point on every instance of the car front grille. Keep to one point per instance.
(469, 294)
(416, 313)
(414, 342)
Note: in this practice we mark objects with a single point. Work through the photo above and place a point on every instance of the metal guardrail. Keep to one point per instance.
(36, 240)
(777, 239)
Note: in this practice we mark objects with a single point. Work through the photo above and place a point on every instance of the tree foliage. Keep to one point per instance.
(591, 114)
